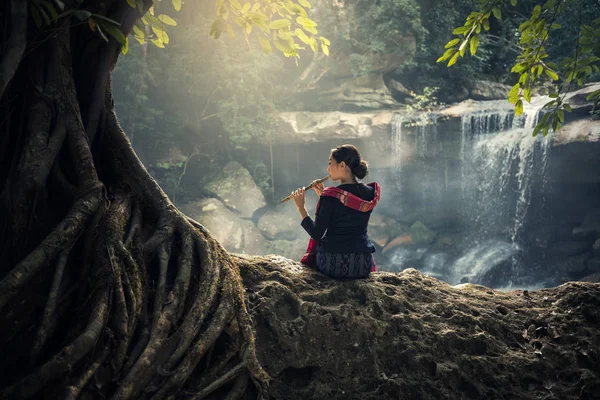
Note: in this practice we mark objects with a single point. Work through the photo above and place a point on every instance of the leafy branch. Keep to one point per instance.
(530, 64)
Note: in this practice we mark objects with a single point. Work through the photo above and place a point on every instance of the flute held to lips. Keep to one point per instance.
(318, 181)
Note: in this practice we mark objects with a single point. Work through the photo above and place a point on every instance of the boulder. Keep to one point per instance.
(309, 127)
(572, 266)
(398, 90)
(281, 223)
(234, 233)
(409, 336)
(487, 90)
(383, 228)
(235, 187)
(421, 234)
(293, 249)
(403, 240)
(581, 130)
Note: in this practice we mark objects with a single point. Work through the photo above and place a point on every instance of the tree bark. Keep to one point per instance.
(105, 287)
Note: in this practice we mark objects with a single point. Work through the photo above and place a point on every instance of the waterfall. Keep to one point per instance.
(397, 150)
(501, 158)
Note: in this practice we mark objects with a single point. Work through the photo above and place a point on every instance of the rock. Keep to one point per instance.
(383, 228)
(578, 99)
(402, 333)
(421, 234)
(307, 127)
(593, 278)
(581, 130)
(398, 90)
(572, 266)
(281, 223)
(396, 242)
(367, 92)
(293, 250)
(236, 189)
(487, 90)
(590, 225)
(471, 106)
(593, 265)
(234, 233)
(565, 249)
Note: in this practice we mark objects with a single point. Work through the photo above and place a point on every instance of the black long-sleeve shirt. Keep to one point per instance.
(338, 228)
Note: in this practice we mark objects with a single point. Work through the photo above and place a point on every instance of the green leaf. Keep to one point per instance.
(567, 108)
(165, 19)
(453, 59)
(555, 26)
(246, 8)
(446, 55)
(176, 4)
(527, 94)
(325, 49)
(125, 48)
(131, 3)
(497, 13)
(280, 23)
(551, 74)
(265, 44)
(451, 43)
(304, 3)
(536, 12)
(486, 24)
(50, 9)
(473, 44)
(306, 22)
(519, 107)
(513, 2)
(460, 30)
(513, 95)
(114, 32)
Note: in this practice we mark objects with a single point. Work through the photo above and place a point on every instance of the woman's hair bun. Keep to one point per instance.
(361, 170)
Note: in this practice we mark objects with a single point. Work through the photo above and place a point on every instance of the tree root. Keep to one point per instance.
(140, 291)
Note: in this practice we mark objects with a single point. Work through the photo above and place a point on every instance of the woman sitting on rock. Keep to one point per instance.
(339, 246)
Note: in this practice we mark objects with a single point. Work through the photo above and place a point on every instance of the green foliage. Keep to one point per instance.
(533, 63)
(283, 24)
(427, 100)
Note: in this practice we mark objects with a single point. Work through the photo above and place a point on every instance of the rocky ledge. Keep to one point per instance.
(410, 336)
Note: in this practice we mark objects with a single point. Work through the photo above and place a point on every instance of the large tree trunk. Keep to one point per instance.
(101, 276)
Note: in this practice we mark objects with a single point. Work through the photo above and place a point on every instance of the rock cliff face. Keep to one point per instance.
(410, 336)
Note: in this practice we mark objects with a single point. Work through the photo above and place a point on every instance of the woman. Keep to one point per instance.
(339, 246)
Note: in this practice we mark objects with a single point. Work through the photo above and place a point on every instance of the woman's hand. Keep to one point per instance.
(298, 196)
(318, 188)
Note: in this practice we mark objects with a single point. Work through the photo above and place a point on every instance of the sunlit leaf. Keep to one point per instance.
(165, 19)
(519, 107)
(176, 4)
(265, 44)
(473, 44)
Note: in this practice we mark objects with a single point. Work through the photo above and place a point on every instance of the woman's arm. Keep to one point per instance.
(317, 229)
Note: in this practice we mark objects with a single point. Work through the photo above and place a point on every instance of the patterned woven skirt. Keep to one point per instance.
(345, 265)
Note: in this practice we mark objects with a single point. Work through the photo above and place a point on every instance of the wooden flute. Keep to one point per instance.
(308, 187)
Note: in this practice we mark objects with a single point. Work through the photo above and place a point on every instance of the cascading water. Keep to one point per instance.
(497, 169)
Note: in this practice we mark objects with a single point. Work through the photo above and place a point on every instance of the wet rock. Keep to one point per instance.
(421, 234)
(235, 187)
(572, 266)
(383, 228)
(566, 249)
